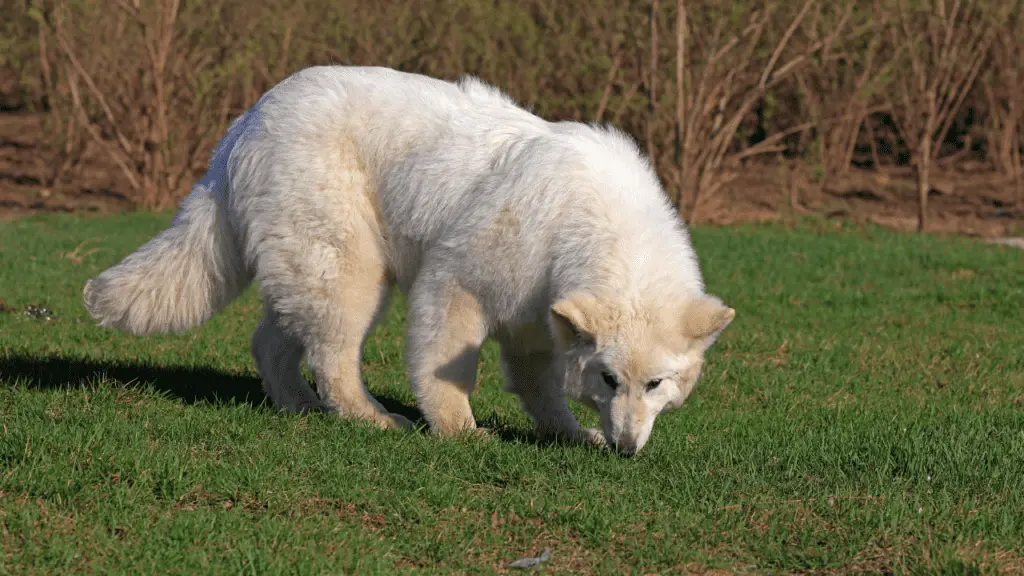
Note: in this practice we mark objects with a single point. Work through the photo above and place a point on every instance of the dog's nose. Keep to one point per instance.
(626, 447)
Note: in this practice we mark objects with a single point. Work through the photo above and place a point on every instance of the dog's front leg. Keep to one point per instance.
(446, 328)
(534, 373)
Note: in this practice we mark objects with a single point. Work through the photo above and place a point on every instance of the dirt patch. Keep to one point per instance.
(967, 202)
(24, 189)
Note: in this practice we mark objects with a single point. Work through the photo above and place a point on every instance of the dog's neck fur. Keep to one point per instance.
(621, 237)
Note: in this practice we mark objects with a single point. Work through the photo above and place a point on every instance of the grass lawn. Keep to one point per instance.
(864, 412)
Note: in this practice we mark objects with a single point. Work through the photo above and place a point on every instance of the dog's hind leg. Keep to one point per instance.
(334, 351)
(278, 360)
(328, 293)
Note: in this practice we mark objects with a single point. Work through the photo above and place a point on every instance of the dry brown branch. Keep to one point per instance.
(80, 71)
(66, 146)
(626, 100)
(652, 83)
(609, 84)
(680, 87)
(777, 53)
(157, 184)
(116, 155)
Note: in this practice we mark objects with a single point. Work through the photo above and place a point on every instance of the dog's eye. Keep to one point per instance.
(653, 384)
(610, 380)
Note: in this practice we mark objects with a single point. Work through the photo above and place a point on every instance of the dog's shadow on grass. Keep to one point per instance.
(189, 385)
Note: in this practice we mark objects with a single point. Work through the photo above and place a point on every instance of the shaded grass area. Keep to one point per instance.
(864, 412)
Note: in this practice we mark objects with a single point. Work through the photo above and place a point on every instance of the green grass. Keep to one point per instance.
(865, 411)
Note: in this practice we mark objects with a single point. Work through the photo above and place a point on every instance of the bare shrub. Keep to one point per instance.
(844, 86)
(707, 88)
(27, 54)
(1003, 87)
(729, 66)
(152, 95)
(944, 45)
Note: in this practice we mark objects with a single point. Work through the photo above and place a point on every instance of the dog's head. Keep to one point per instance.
(630, 365)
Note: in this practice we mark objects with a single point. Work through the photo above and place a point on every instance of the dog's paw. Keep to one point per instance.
(592, 437)
(454, 426)
(398, 422)
(470, 434)
(482, 433)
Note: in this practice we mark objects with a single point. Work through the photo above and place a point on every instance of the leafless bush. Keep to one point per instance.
(706, 87)
(844, 85)
(149, 95)
(1004, 95)
(726, 72)
(944, 46)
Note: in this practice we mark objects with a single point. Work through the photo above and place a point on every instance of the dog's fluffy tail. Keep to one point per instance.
(184, 275)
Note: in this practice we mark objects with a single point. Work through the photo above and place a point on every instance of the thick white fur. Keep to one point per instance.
(341, 182)
(186, 273)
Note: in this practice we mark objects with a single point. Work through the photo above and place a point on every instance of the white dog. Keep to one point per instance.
(341, 182)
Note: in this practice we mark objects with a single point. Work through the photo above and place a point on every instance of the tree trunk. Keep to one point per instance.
(1018, 185)
(652, 77)
(1015, 169)
(923, 164)
(681, 122)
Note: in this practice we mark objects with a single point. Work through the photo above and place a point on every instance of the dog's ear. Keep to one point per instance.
(705, 318)
(578, 318)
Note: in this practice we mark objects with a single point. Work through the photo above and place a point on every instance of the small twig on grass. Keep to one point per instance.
(532, 561)
(76, 255)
